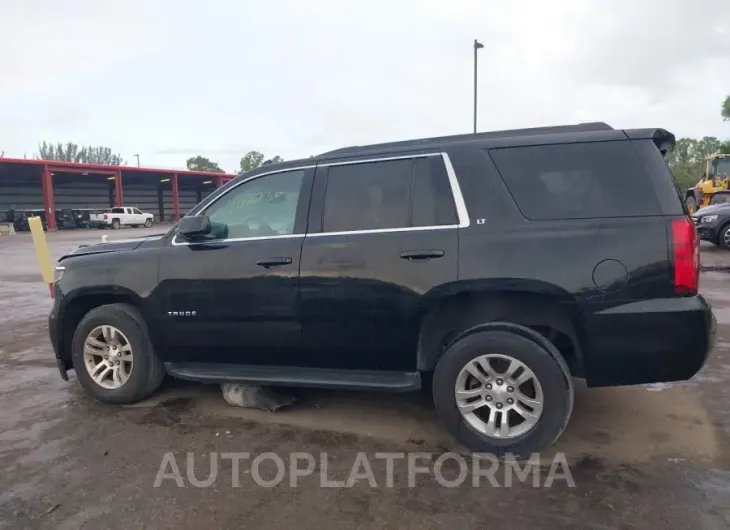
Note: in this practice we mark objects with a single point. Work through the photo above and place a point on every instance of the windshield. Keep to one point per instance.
(720, 198)
(720, 167)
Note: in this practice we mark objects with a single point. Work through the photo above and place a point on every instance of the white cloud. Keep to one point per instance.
(168, 78)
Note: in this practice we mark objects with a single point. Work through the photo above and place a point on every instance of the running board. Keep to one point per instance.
(296, 377)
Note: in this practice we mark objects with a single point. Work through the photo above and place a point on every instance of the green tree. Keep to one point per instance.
(100, 155)
(71, 152)
(686, 160)
(726, 109)
(251, 160)
(200, 163)
(274, 160)
(68, 152)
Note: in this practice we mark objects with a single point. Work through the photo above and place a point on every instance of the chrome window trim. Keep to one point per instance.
(378, 159)
(383, 230)
(176, 243)
(462, 213)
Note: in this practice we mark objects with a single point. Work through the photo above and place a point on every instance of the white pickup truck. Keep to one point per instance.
(121, 216)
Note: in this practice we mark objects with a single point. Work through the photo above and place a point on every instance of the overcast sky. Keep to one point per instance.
(170, 79)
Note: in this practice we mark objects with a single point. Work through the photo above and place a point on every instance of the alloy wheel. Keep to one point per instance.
(108, 357)
(499, 396)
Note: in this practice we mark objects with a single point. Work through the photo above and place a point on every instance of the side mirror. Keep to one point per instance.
(194, 227)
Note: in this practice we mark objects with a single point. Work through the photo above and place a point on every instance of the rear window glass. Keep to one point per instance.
(577, 181)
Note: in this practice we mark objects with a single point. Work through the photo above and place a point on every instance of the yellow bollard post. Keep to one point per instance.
(42, 253)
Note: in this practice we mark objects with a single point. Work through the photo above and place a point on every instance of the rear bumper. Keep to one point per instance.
(650, 341)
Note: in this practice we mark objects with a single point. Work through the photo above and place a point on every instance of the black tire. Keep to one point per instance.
(148, 223)
(147, 371)
(115, 224)
(538, 354)
(691, 204)
(723, 237)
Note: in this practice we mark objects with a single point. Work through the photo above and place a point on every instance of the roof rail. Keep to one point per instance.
(580, 127)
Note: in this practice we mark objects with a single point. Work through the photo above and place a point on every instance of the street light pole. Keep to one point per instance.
(477, 46)
(137, 159)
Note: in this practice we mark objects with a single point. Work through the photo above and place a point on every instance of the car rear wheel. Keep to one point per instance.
(113, 355)
(115, 224)
(504, 390)
(148, 223)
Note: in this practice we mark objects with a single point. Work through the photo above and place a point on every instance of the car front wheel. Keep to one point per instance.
(148, 223)
(504, 390)
(724, 237)
(691, 204)
(113, 355)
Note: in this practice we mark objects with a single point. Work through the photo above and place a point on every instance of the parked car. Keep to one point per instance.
(498, 266)
(713, 221)
(122, 216)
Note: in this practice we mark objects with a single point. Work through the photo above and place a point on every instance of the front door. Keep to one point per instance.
(387, 237)
(138, 216)
(234, 297)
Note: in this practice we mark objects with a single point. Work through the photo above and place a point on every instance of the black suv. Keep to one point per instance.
(494, 266)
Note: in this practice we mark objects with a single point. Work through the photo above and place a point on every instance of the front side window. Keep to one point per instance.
(368, 196)
(136, 211)
(262, 207)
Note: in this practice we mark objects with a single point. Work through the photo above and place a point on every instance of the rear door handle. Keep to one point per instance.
(273, 262)
(420, 255)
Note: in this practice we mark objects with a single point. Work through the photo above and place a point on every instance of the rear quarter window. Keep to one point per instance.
(577, 181)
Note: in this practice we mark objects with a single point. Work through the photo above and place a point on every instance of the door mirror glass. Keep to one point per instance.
(194, 227)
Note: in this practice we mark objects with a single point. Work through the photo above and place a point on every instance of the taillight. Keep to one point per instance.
(106, 217)
(686, 253)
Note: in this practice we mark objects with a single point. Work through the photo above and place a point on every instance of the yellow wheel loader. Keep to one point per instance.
(715, 177)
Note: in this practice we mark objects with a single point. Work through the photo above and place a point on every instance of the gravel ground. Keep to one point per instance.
(639, 457)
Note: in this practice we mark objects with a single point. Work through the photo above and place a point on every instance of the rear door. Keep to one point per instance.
(382, 235)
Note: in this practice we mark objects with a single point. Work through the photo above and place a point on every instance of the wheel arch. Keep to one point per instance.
(464, 307)
(78, 304)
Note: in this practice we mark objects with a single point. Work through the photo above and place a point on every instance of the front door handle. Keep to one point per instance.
(421, 255)
(273, 262)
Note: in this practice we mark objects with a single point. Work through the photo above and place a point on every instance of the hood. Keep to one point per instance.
(111, 246)
(713, 209)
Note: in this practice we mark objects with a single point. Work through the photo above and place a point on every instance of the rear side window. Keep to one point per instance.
(117, 210)
(368, 196)
(433, 203)
(577, 181)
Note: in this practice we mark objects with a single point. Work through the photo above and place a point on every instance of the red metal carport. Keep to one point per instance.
(96, 185)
